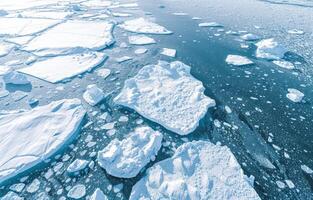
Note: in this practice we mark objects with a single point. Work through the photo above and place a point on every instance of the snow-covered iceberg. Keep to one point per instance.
(197, 171)
(126, 158)
(72, 35)
(32, 136)
(55, 69)
(238, 60)
(142, 25)
(168, 94)
(270, 49)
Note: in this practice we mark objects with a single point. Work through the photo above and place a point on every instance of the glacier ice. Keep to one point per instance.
(77, 166)
(77, 192)
(98, 195)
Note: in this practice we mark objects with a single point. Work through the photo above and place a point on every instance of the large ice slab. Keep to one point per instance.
(24, 26)
(59, 68)
(71, 35)
(142, 25)
(197, 171)
(270, 49)
(126, 158)
(29, 137)
(168, 94)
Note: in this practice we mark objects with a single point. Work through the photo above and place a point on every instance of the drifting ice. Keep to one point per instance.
(141, 25)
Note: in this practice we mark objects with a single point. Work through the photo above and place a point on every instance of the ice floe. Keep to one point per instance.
(77, 166)
(238, 60)
(294, 95)
(270, 49)
(306, 169)
(46, 129)
(126, 158)
(71, 35)
(5, 48)
(295, 32)
(140, 51)
(15, 78)
(93, 95)
(210, 24)
(284, 64)
(142, 25)
(77, 192)
(118, 14)
(104, 73)
(198, 170)
(140, 40)
(98, 195)
(56, 69)
(11, 196)
(250, 37)
(123, 59)
(168, 94)
(169, 52)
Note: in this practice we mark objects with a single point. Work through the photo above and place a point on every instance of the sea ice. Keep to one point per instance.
(45, 14)
(77, 166)
(238, 60)
(140, 40)
(270, 49)
(168, 94)
(93, 95)
(142, 25)
(140, 51)
(11, 196)
(103, 72)
(197, 171)
(210, 24)
(169, 52)
(45, 130)
(294, 95)
(77, 192)
(123, 59)
(98, 195)
(55, 69)
(118, 14)
(306, 169)
(5, 48)
(295, 32)
(250, 37)
(71, 35)
(126, 158)
(15, 78)
(24, 26)
(284, 64)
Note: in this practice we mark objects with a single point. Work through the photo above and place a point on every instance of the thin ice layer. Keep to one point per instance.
(197, 171)
(142, 25)
(56, 69)
(71, 35)
(126, 158)
(168, 94)
(29, 137)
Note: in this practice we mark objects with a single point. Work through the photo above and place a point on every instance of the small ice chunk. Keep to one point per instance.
(295, 32)
(18, 187)
(126, 158)
(306, 169)
(284, 64)
(93, 95)
(250, 37)
(15, 78)
(141, 51)
(104, 73)
(119, 14)
(168, 94)
(280, 184)
(123, 59)
(270, 49)
(45, 130)
(98, 195)
(123, 119)
(11, 196)
(210, 24)
(290, 184)
(5, 48)
(56, 69)
(77, 166)
(197, 170)
(169, 52)
(34, 186)
(140, 40)
(142, 25)
(77, 192)
(294, 95)
(238, 60)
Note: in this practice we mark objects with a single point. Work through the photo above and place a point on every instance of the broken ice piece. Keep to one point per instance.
(284, 64)
(93, 95)
(210, 24)
(104, 73)
(77, 166)
(77, 192)
(98, 195)
(142, 25)
(11, 196)
(250, 37)
(295, 32)
(294, 95)
(126, 158)
(123, 59)
(140, 40)
(15, 78)
(169, 52)
(141, 51)
(5, 48)
(238, 60)
(270, 49)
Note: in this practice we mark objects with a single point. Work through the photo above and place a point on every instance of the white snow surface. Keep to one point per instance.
(56, 69)
(197, 171)
(142, 25)
(72, 35)
(169, 52)
(294, 95)
(168, 94)
(270, 49)
(93, 95)
(125, 159)
(32, 136)
(238, 60)
(140, 40)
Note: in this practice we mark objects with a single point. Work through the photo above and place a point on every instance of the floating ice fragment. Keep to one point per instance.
(250, 37)
(284, 64)
(12, 196)
(141, 25)
(118, 14)
(56, 69)
(168, 94)
(197, 170)
(238, 60)
(18, 187)
(295, 32)
(270, 49)
(34, 186)
(98, 195)
(45, 130)
(93, 95)
(306, 169)
(77, 166)
(210, 24)
(77, 192)
(126, 158)
(294, 95)
(15, 78)
(141, 51)
(169, 52)
(104, 73)
(5, 48)
(140, 40)
(123, 59)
